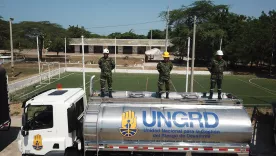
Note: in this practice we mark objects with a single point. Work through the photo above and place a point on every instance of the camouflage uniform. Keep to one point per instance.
(164, 69)
(216, 68)
(106, 65)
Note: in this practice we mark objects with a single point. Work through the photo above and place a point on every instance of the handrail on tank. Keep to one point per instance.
(91, 85)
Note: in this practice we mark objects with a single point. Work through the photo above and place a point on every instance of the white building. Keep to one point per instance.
(124, 46)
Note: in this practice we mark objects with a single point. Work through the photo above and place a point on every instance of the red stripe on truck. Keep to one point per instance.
(158, 148)
(173, 148)
(237, 149)
(123, 147)
(208, 149)
(223, 149)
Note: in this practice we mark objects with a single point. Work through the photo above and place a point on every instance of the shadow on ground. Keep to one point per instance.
(7, 137)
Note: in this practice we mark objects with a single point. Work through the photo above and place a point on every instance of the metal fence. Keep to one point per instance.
(34, 79)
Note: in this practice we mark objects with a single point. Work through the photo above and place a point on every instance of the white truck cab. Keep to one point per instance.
(50, 122)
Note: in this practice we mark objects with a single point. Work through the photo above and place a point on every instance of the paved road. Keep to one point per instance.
(8, 143)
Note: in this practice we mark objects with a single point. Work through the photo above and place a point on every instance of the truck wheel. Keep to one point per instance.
(71, 152)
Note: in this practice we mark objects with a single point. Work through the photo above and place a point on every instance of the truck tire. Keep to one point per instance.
(71, 152)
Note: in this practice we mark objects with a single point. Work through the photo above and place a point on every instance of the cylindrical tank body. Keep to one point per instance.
(177, 124)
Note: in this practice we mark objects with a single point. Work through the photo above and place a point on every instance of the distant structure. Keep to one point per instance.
(124, 46)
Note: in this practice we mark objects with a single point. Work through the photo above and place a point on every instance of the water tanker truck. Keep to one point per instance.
(5, 119)
(62, 122)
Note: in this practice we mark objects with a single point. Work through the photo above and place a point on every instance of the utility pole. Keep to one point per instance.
(115, 54)
(83, 68)
(65, 51)
(220, 44)
(167, 27)
(272, 53)
(38, 56)
(193, 56)
(187, 68)
(12, 65)
(150, 38)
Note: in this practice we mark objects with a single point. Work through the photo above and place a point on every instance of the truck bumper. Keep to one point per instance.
(55, 153)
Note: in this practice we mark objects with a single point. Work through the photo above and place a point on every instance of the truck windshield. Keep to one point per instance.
(39, 117)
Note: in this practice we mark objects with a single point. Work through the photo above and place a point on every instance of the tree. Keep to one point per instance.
(127, 35)
(209, 31)
(77, 32)
(57, 45)
(4, 34)
(115, 35)
(48, 33)
(156, 34)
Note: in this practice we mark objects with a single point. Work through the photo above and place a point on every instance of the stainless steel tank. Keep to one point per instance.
(174, 125)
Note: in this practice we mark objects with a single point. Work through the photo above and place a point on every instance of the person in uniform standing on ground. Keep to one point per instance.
(216, 68)
(106, 65)
(164, 68)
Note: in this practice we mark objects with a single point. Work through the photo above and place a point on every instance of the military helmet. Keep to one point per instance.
(105, 51)
(219, 52)
(166, 54)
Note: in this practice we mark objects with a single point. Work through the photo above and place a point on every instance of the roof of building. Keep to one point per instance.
(119, 42)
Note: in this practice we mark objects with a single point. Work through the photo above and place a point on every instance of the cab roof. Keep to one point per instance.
(54, 96)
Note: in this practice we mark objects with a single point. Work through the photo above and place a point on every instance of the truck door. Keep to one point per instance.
(75, 117)
(41, 129)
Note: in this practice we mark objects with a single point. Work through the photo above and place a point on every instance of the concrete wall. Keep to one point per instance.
(91, 49)
(77, 48)
(119, 42)
(120, 49)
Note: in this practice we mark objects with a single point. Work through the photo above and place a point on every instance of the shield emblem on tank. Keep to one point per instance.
(37, 143)
(129, 124)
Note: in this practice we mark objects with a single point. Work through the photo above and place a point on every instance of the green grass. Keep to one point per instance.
(255, 91)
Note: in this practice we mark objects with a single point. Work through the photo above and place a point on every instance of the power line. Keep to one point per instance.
(125, 24)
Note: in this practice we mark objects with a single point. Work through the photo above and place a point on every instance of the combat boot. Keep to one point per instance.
(102, 93)
(211, 95)
(158, 94)
(167, 95)
(110, 94)
(219, 95)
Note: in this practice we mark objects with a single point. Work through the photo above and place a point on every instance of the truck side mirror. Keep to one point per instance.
(24, 133)
(23, 120)
(24, 130)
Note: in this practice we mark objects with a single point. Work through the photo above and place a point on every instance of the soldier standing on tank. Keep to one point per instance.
(216, 68)
(164, 68)
(106, 65)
